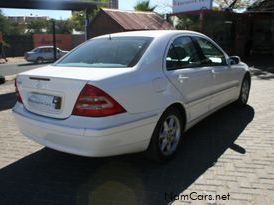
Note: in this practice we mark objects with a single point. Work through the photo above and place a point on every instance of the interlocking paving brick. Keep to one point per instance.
(229, 152)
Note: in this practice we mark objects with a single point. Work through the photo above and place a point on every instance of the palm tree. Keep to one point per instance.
(144, 6)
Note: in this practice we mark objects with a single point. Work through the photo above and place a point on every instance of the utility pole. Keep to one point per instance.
(87, 23)
(54, 40)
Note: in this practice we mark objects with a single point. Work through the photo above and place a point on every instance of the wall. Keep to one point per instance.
(23, 43)
(63, 41)
(18, 45)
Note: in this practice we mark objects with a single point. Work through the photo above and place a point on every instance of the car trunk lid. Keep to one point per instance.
(52, 91)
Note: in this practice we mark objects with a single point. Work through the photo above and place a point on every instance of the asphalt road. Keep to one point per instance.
(11, 69)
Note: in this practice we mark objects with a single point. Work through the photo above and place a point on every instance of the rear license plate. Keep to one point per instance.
(44, 102)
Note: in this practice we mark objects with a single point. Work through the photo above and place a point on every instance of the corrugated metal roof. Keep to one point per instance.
(136, 20)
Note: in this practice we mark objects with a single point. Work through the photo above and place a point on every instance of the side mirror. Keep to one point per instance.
(234, 60)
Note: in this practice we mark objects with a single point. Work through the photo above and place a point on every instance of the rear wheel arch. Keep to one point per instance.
(153, 151)
(39, 59)
(182, 110)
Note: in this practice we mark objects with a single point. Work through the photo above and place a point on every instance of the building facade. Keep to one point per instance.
(26, 19)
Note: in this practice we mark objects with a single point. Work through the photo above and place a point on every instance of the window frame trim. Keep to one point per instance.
(192, 35)
(215, 45)
(171, 43)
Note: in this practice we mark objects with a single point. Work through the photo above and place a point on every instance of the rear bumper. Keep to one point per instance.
(127, 138)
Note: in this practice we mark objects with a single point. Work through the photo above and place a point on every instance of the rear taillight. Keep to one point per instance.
(18, 96)
(94, 102)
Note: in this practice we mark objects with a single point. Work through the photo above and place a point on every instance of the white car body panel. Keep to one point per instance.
(145, 91)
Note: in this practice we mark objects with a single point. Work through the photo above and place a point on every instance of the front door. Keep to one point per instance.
(225, 84)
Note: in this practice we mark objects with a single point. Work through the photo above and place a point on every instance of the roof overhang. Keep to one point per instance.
(75, 5)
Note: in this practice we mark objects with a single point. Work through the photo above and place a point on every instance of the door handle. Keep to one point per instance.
(214, 73)
(182, 78)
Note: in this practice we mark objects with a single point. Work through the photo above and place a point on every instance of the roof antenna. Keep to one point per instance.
(109, 36)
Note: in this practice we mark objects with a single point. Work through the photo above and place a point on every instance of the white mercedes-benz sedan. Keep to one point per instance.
(129, 92)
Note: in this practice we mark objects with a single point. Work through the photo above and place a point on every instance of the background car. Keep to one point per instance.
(129, 92)
(43, 54)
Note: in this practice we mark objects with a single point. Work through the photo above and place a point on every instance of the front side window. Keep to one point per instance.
(211, 55)
(182, 53)
(113, 52)
(36, 50)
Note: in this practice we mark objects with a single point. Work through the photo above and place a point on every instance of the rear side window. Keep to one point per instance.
(181, 54)
(48, 50)
(116, 52)
(211, 55)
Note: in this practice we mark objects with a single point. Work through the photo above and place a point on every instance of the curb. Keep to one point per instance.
(10, 77)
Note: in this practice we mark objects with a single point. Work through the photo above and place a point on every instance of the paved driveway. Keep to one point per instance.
(231, 152)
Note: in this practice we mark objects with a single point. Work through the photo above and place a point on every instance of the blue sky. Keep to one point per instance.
(123, 4)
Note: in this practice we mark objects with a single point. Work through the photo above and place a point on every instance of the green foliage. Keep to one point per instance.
(16, 29)
(61, 27)
(188, 23)
(239, 4)
(144, 6)
(78, 18)
(37, 26)
(4, 24)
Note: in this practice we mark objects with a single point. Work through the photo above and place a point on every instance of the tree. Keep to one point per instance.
(234, 4)
(61, 27)
(188, 23)
(78, 18)
(4, 23)
(10, 28)
(37, 26)
(16, 29)
(144, 6)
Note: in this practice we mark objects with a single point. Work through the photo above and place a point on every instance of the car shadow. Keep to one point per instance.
(51, 177)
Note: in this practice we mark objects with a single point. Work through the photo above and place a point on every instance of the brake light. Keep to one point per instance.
(94, 102)
(18, 96)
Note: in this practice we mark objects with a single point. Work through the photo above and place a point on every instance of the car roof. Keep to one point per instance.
(45, 47)
(150, 33)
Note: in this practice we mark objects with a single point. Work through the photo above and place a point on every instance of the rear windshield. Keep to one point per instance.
(117, 52)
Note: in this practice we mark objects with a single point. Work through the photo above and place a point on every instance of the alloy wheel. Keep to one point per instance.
(245, 91)
(169, 135)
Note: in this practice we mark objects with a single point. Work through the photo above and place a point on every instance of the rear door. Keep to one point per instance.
(186, 72)
(48, 53)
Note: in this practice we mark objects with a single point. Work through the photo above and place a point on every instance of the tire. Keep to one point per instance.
(39, 60)
(244, 93)
(166, 136)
